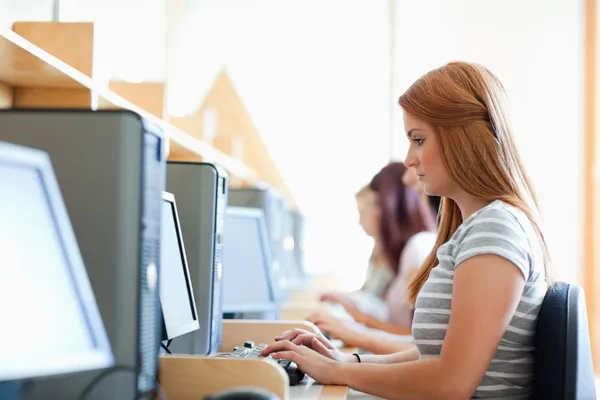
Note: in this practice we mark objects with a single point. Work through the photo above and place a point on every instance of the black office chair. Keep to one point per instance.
(563, 362)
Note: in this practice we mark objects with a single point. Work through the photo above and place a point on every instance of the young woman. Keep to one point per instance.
(368, 330)
(404, 232)
(478, 295)
(369, 299)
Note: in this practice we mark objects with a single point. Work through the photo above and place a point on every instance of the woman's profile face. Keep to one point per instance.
(369, 213)
(425, 159)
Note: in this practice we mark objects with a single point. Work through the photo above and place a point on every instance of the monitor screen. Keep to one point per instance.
(176, 293)
(247, 282)
(45, 294)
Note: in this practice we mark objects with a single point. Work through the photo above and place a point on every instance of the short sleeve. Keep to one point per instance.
(495, 231)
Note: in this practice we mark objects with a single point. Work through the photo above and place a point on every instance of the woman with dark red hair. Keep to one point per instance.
(406, 234)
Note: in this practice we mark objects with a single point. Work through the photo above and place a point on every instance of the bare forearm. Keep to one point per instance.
(374, 323)
(384, 343)
(394, 358)
(423, 379)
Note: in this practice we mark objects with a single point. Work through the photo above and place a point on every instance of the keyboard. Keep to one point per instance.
(250, 351)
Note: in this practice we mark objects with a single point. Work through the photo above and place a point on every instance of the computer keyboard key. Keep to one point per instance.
(252, 352)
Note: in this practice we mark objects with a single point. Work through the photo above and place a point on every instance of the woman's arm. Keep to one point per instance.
(323, 346)
(385, 343)
(411, 354)
(374, 323)
(487, 290)
(354, 334)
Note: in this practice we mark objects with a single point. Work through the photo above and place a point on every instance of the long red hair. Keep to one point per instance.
(466, 105)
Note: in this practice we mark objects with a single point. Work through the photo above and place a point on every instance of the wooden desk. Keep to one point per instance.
(193, 377)
(311, 390)
(237, 331)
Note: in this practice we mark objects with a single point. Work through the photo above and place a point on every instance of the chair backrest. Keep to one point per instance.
(563, 363)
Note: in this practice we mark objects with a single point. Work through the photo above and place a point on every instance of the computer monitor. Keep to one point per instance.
(44, 286)
(176, 292)
(110, 166)
(201, 193)
(247, 280)
(272, 204)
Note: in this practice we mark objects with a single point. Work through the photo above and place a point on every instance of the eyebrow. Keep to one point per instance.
(409, 133)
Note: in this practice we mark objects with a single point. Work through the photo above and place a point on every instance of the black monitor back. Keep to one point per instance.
(110, 167)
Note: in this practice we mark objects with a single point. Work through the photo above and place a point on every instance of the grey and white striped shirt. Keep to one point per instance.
(506, 231)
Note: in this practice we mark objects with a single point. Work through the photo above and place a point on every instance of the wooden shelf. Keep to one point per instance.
(50, 65)
(6, 95)
(32, 77)
(149, 96)
(19, 66)
(236, 134)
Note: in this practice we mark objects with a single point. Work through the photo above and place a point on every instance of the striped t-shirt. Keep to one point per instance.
(503, 230)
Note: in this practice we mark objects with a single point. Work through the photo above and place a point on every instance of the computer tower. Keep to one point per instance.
(273, 206)
(201, 191)
(110, 167)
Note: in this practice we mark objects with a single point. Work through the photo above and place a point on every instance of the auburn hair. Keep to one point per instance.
(466, 105)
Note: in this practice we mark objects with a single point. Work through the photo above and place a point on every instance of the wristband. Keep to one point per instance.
(357, 357)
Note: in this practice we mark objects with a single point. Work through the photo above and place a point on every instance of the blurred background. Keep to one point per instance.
(316, 84)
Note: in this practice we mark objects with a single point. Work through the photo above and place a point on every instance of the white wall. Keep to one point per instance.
(314, 76)
(536, 49)
(130, 36)
(25, 10)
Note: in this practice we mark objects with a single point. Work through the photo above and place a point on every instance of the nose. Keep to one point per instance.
(411, 161)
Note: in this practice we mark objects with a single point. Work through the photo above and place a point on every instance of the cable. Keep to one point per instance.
(166, 348)
(169, 342)
(103, 375)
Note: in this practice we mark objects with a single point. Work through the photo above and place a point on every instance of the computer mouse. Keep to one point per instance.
(244, 393)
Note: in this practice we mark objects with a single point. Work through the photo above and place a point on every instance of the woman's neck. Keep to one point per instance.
(469, 204)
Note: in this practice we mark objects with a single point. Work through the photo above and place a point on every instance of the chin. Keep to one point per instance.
(430, 191)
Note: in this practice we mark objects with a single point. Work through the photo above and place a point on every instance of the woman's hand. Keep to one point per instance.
(337, 297)
(350, 332)
(309, 359)
(316, 342)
